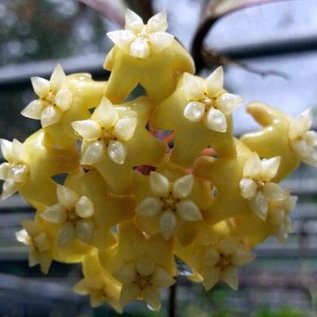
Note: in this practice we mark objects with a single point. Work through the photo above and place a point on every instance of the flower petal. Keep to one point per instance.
(23, 237)
(50, 115)
(216, 121)
(19, 173)
(214, 82)
(105, 114)
(85, 230)
(183, 186)
(273, 192)
(55, 214)
(117, 152)
(129, 292)
(125, 128)
(5, 171)
(151, 296)
(252, 167)
(133, 22)
(41, 86)
(90, 130)
(162, 279)
(64, 99)
(228, 245)
(159, 41)
(242, 257)
(7, 149)
(149, 207)
(122, 39)
(139, 48)
(158, 22)
(270, 167)
(125, 274)
(9, 188)
(188, 210)
(33, 110)
(211, 257)
(66, 234)
(145, 266)
(211, 278)
(259, 205)
(93, 153)
(167, 224)
(194, 111)
(67, 197)
(84, 207)
(160, 185)
(228, 103)
(18, 151)
(42, 242)
(193, 87)
(230, 277)
(248, 188)
(58, 78)
(301, 124)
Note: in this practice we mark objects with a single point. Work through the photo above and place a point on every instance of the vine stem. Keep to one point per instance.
(172, 301)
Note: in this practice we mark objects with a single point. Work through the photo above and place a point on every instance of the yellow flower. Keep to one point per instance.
(54, 98)
(139, 40)
(255, 185)
(37, 238)
(219, 262)
(15, 171)
(303, 141)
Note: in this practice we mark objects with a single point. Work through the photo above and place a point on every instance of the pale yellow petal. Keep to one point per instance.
(85, 230)
(124, 128)
(133, 22)
(194, 111)
(50, 115)
(183, 186)
(105, 114)
(193, 87)
(33, 110)
(117, 152)
(188, 211)
(158, 22)
(23, 237)
(167, 224)
(90, 130)
(55, 214)
(145, 266)
(214, 82)
(230, 277)
(93, 154)
(42, 242)
(228, 103)
(301, 124)
(228, 245)
(9, 188)
(248, 188)
(129, 292)
(64, 99)
(162, 279)
(122, 39)
(211, 257)
(41, 86)
(58, 78)
(211, 278)
(270, 167)
(7, 149)
(149, 207)
(159, 41)
(160, 185)
(273, 192)
(252, 167)
(151, 296)
(259, 205)
(84, 207)
(242, 257)
(67, 234)
(216, 121)
(125, 274)
(18, 151)
(277, 216)
(66, 197)
(5, 170)
(139, 48)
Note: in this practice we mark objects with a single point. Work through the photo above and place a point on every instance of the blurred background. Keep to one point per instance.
(268, 49)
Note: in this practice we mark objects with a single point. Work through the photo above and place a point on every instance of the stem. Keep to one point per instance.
(172, 301)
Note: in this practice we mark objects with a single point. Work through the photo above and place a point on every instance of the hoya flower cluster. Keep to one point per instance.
(152, 180)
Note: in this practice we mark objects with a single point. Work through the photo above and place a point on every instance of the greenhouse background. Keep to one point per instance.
(270, 51)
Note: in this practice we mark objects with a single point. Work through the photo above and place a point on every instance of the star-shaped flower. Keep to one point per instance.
(139, 40)
(303, 140)
(115, 140)
(38, 239)
(142, 279)
(107, 131)
(199, 111)
(256, 185)
(219, 262)
(207, 102)
(15, 171)
(54, 98)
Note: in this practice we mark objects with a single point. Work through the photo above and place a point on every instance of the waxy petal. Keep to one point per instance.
(252, 167)
(85, 230)
(158, 22)
(149, 207)
(93, 154)
(41, 86)
(211, 278)
(301, 124)
(18, 151)
(242, 257)
(129, 292)
(228, 245)
(122, 39)
(90, 130)
(151, 295)
(139, 48)
(58, 78)
(64, 99)
(194, 111)
(33, 110)
(105, 114)
(125, 274)
(188, 211)
(7, 149)
(183, 186)
(193, 87)
(50, 115)
(159, 41)
(162, 279)
(117, 152)
(160, 185)
(67, 197)
(216, 121)
(5, 171)
(273, 192)
(259, 205)
(228, 103)
(167, 224)
(84, 207)
(145, 266)
(230, 277)
(214, 82)
(270, 167)
(133, 22)
(9, 187)
(23, 237)
(67, 234)
(55, 214)
(248, 188)
(211, 257)
(125, 128)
